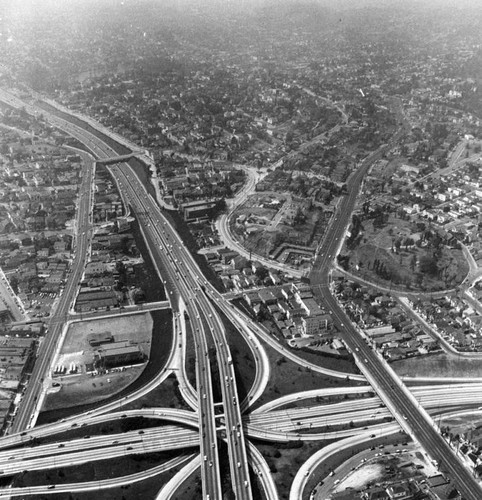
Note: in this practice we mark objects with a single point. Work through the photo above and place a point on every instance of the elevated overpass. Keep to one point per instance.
(111, 160)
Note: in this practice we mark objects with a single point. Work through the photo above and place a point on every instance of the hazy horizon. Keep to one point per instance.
(334, 4)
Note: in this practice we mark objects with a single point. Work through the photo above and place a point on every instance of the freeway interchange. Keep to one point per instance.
(412, 418)
(191, 295)
(185, 277)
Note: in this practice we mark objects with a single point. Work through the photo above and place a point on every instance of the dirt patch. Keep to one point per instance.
(438, 365)
(136, 328)
(368, 468)
(361, 477)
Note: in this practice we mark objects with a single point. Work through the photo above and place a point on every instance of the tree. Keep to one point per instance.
(289, 137)
(428, 265)
(261, 273)
(278, 239)
(413, 262)
(409, 242)
(299, 218)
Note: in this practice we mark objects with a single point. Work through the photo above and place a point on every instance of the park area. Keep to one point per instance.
(399, 253)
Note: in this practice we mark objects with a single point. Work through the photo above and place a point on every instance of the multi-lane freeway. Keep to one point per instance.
(385, 383)
(203, 317)
(95, 448)
(160, 250)
(190, 294)
(388, 386)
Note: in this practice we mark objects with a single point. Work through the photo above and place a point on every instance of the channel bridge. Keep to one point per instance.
(119, 159)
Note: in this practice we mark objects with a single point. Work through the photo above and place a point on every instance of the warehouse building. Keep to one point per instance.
(120, 354)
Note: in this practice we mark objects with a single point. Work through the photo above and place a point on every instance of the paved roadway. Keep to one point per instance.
(261, 359)
(28, 408)
(147, 206)
(159, 251)
(439, 396)
(222, 225)
(211, 481)
(192, 286)
(160, 239)
(184, 417)
(386, 383)
(367, 411)
(390, 389)
(287, 421)
(237, 316)
(94, 448)
(302, 476)
(262, 470)
(97, 485)
(124, 310)
(10, 300)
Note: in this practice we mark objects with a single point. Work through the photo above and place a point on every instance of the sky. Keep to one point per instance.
(31, 8)
(345, 4)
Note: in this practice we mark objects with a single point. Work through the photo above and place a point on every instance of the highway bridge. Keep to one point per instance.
(410, 415)
(111, 160)
(189, 291)
(273, 425)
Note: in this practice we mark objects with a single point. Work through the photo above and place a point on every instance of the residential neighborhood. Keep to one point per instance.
(240, 249)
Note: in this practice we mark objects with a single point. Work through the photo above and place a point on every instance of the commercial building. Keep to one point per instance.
(197, 210)
(312, 325)
(120, 353)
(379, 331)
(95, 300)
